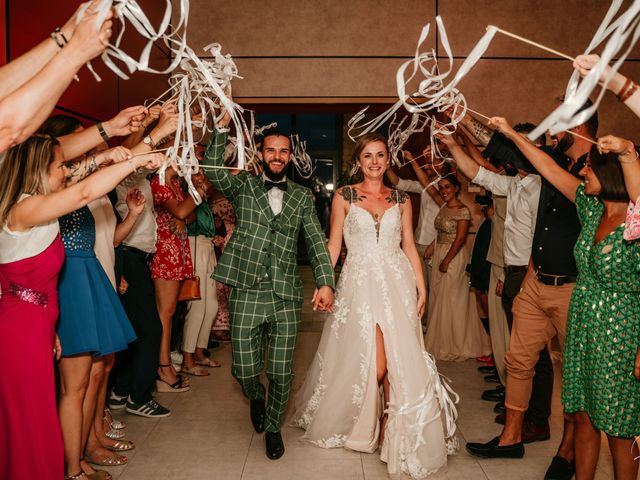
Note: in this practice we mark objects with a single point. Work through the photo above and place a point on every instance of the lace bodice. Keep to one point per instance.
(447, 222)
(365, 233)
(78, 230)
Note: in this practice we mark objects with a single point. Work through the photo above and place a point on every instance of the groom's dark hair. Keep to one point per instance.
(274, 133)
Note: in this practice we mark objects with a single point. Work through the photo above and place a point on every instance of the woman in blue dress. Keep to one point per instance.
(92, 324)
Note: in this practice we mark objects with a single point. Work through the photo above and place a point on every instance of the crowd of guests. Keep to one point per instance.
(96, 250)
(559, 259)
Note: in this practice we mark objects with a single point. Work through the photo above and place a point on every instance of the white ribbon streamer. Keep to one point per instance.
(626, 28)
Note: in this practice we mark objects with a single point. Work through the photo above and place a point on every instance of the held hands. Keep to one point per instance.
(499, 288)
(135, 201)
(323, 299)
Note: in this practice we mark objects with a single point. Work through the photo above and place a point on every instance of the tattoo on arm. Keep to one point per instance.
(397, 196)
(82, 169)
(481, 132)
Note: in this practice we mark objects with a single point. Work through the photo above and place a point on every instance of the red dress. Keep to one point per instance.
(172, 260)
(30, 439)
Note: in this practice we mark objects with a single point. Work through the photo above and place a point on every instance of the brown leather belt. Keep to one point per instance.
(555, 280)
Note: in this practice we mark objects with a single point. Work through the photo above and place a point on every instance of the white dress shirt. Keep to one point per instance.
(275, 195)
(425, 231)
(523, 196)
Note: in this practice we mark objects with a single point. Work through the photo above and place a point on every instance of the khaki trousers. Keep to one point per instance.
(201, 313)
(539, 313)
(498, 327)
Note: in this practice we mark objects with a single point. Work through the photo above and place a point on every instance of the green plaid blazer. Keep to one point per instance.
(262, 238)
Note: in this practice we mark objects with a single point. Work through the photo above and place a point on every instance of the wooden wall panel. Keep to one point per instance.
(309, 27)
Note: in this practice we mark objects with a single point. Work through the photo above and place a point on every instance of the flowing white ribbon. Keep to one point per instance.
(432, 95)
(626, 28)
(300, 158)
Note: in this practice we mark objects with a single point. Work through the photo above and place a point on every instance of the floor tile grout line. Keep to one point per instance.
(246, 459)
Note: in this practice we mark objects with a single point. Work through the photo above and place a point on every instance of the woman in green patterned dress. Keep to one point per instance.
(600, 386)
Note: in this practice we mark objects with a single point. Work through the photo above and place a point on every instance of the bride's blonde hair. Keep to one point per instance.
(25, 169)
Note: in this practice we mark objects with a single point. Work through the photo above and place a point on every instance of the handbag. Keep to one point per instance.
(190, 287)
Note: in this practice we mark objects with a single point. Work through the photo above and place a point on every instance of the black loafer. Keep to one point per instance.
(491, 449)
(258, 413)
(560, 469)
(500, 408)
(274, 445)
(492, 378)
(493, 395)
(486, 369)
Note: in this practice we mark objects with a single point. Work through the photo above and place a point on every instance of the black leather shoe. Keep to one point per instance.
(486, 369)
(500, 408)
(258, 413)
(560, 469)
(501, 418)
(273, 442)
(492, 378)
(491, 449)
(493, 395)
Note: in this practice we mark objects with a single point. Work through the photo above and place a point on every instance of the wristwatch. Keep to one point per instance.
(147, 140)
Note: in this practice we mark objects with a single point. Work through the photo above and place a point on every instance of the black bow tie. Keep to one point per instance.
(281, 185)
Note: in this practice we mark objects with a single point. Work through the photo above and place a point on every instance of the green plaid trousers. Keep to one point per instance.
(256, 314)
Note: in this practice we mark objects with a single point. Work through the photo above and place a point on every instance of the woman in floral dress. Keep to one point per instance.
(600, 386)
(170, 265)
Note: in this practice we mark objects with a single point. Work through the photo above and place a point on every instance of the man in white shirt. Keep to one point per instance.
(522, 190)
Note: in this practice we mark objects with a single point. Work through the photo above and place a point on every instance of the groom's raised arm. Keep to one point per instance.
(221, 178)
(316, 244)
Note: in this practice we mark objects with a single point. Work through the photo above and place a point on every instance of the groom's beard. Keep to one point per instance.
(273, 176)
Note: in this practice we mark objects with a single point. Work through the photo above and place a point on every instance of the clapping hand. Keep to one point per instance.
(135, 201)
(323, 299)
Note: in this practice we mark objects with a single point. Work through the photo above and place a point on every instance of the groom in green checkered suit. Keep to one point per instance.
(260, 263)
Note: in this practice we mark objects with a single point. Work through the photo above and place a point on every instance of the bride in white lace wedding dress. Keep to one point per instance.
(374, 337)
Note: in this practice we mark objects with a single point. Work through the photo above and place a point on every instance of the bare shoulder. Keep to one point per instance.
(350, 194)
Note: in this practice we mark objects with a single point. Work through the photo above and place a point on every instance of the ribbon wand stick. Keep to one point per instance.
(531, 42)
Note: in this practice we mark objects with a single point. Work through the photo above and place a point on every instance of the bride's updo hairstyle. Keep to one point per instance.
(365, 140)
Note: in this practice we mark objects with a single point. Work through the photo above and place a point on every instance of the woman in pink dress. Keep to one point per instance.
(32, 178)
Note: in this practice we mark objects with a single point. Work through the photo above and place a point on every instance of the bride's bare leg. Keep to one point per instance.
(381, 374)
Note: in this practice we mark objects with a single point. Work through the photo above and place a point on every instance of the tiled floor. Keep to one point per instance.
(209, 435)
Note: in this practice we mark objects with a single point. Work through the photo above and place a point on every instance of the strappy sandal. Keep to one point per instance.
(77, 476)
(166, 387)
(99, 475)
(121, 446)
(196, 371)
(114, 423)
(113, 460)
(207, 362)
